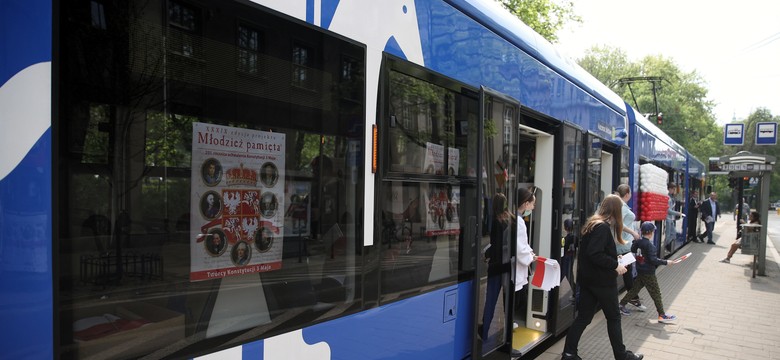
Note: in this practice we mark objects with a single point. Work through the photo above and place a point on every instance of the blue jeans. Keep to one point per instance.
(671, 232)
(709, 226)
(491, 299)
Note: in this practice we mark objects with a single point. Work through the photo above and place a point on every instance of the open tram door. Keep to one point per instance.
(607, 167)
(514, 153)
(493, 283)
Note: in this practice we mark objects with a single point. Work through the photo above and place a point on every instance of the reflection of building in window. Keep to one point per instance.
(302, 61)
(248, 49)
(184, 22)
(351, 85)
(98, 15)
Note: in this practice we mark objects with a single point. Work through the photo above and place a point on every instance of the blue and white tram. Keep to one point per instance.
(650, 145)
(286, 179)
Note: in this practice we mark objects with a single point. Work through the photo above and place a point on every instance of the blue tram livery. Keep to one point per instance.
(295, 179)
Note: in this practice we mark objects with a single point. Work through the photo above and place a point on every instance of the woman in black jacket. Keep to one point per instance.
(597, 273)
(497, 256)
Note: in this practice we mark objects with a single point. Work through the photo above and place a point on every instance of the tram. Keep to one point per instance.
(682, 171)
(292, 179)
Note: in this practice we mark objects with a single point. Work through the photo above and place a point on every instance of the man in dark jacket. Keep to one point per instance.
(693, 213)
(710, 212)
(646, 262)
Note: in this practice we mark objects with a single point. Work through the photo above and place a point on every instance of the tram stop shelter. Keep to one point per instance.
(746, 164)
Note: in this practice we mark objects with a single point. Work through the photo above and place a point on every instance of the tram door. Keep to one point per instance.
(514, 156)
(496, 241)
(535, 153)
(572, 212)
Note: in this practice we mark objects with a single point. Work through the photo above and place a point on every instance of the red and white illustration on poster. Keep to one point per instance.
(442, 203)
(236, 216)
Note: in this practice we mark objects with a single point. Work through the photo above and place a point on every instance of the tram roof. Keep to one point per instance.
(493, 16)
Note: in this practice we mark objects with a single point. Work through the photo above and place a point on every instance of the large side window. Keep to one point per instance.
(426, 204)
(200, 208)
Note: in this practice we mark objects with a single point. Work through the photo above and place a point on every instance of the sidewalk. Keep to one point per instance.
(722, 312)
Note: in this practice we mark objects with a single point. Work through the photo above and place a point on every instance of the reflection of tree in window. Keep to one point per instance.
(95, 149)
(423, 113)
(248, 49)
(167, 138)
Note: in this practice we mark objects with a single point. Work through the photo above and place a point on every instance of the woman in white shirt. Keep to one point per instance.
(524, 256)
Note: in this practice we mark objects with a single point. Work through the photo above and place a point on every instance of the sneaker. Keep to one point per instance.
(726, 260)
(638, 305)
(667, 319)
(624, 310)
(632, 356)
(566, 356)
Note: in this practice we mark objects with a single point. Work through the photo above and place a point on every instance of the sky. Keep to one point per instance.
(733, 46)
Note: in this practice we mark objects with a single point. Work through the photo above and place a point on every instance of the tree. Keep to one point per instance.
(545, 17)
(681, 97)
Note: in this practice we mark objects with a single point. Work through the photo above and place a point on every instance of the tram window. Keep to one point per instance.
(429, 128)
(222, 207)
(424, 222)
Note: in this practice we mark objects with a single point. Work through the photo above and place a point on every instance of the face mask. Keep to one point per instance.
(526, 213)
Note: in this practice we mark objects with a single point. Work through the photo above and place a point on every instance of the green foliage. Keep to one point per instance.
(682, 96)
(545, 17)
(168, 140)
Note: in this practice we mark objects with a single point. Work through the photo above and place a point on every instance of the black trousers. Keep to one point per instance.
(589, 300)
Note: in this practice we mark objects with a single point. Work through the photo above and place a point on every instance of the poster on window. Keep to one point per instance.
(434, 159)
(442, 202)
(454, 161)
(237, 201)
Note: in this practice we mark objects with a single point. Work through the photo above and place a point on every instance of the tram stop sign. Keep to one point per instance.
(747, 164)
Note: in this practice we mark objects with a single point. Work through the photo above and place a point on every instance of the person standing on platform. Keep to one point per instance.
(597, 273)
(623, 247)
(709, 212)
(693, 213)
(671, 216)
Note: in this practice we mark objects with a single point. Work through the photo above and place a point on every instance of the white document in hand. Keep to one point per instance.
(627, 259)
